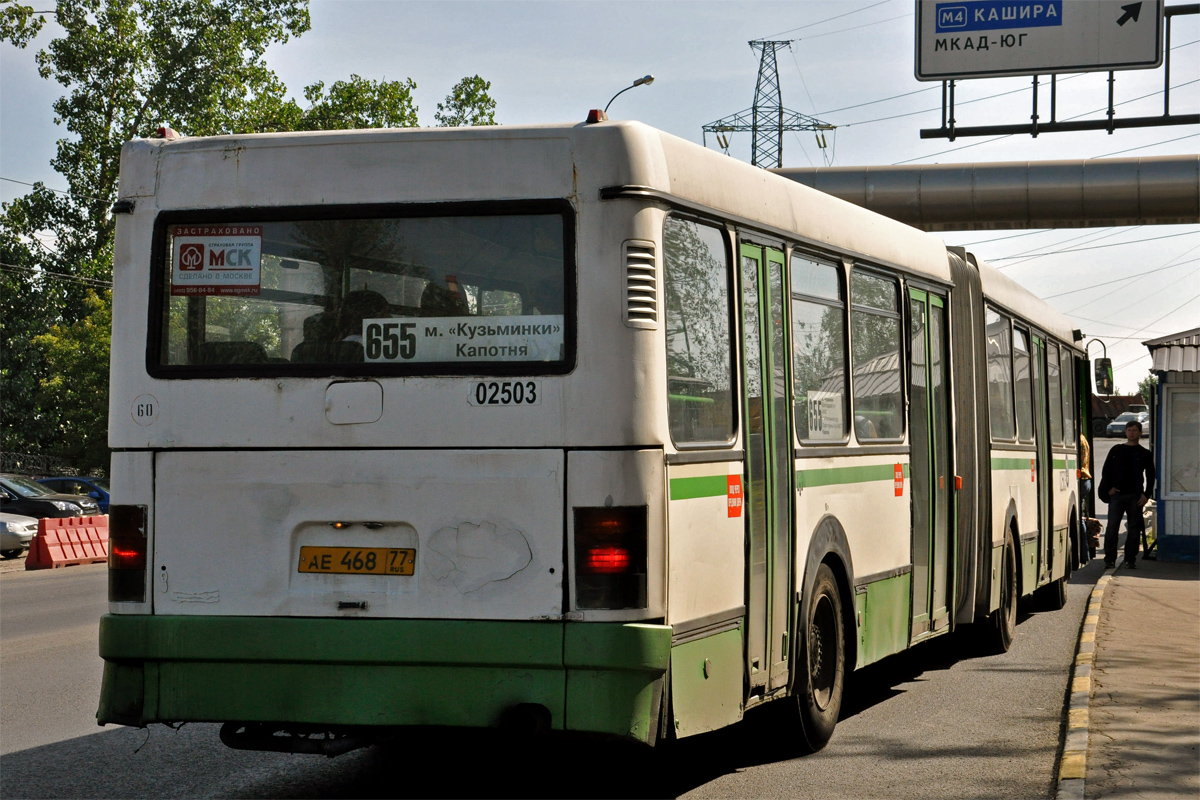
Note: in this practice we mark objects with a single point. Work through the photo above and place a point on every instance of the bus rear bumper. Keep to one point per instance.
(592, 677)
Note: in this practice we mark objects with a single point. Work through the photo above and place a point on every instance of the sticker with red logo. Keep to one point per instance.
(216, 259)
(734, 494)
(898, 480)
(1033, 470)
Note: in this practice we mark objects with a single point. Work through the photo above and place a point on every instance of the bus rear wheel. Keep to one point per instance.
(1053, 596)
(823, 656)
(1001, 626)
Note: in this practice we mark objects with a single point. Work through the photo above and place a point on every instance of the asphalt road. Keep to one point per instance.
(934, 722)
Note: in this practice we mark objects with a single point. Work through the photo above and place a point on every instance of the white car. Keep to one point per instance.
(16, 532)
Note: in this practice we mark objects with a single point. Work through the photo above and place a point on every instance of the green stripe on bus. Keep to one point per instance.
(1011, 463)
(1063, 463)
(703, 486)
(806, 478)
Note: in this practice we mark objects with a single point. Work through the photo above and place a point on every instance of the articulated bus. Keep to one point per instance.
(576, 428)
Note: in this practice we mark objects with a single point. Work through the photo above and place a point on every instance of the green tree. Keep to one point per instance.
(467, 104)
(75, 387)
(129, 66)
(1146, 387)
(27, 300)
(359, 103)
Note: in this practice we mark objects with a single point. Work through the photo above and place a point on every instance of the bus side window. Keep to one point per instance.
(699, 352)
(1023, 384)
(875, 342)
(1054, 391)
(818, 350)
(1068, 397)
(999, 374)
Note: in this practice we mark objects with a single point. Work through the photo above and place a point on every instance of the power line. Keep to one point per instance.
(1160, 319)
(932, 88)
(1127, 304)
(1119, 280)
(1009, 135)
(956, 105)
(1107, 323)
(856, 27)
(1100, 246)
(1143, 147)
(1094, 236)
(827, 19)
(881, 100)
(803, 82)
(1013, 236)
(15, 268)
(47, 188)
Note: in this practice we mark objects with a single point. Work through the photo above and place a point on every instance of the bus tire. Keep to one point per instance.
(1001, 626)
(1052, 596)
(823, 652)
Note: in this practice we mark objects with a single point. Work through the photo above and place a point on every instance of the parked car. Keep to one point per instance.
(21, 495)
(16, 532)
(1117, 426)
(95, 488)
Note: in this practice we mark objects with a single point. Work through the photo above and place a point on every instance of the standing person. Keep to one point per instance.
(1088, 499)
(1121, 486)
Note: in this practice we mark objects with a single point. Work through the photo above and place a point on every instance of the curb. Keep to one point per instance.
(1072, 768)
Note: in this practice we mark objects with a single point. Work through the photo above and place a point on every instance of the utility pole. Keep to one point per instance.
(767, 119)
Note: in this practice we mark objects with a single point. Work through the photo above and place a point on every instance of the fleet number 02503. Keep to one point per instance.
(505, 393)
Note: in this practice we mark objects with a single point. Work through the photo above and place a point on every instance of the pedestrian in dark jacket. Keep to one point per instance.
(1122, 487)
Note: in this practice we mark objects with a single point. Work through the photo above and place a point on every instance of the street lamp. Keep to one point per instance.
(644, 81)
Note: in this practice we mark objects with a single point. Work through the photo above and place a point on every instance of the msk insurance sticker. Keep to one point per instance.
(216, 259)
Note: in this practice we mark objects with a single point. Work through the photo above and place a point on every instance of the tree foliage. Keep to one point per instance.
(467, 104)
(1147, 387)
(127, 67)
(77, 384)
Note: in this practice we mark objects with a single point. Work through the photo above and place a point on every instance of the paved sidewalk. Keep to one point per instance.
(1144, 731)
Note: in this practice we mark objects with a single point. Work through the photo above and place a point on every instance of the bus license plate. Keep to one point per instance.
(358, 560)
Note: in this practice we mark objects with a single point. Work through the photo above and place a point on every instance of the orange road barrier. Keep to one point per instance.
(68, 541)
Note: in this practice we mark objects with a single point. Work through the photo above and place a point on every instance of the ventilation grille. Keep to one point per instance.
(641, 285)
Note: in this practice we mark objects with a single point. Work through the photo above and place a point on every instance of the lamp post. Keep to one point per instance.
(643, 81)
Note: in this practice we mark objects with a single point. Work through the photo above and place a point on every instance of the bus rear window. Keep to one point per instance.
(422, 294)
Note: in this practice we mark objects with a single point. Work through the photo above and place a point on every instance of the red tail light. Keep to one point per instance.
(610, 557)
(127, 554)
(607, 560)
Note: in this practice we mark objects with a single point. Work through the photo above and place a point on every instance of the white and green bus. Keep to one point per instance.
(568, 427)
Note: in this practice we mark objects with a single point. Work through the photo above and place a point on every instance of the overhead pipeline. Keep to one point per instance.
(1091, 193)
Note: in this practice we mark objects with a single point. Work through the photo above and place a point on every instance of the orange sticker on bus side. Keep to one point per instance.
(899, 480)
(734, 494)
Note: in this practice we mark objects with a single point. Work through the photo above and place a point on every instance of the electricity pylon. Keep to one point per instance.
(767, 119)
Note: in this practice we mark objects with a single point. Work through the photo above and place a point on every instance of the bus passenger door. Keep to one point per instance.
(768, 466)
(932, 471)
(1044, 463)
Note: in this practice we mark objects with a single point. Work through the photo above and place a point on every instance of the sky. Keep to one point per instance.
(851, 64)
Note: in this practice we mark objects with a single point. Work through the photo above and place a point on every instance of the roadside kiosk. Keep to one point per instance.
(1175, 426)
